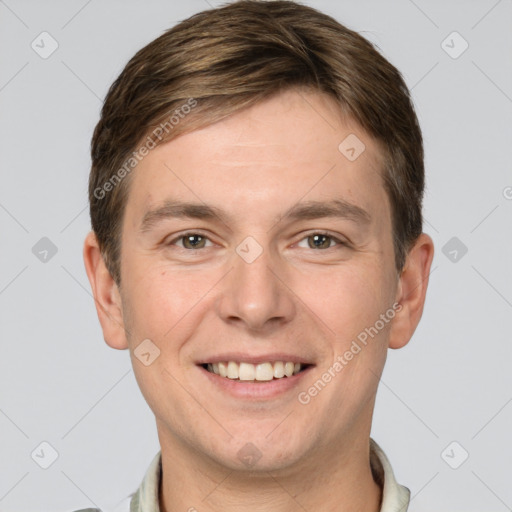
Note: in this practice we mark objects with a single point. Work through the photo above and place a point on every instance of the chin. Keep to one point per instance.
(254, 461)
(260, 452)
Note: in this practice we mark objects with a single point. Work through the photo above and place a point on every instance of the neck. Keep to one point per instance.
(332, 479)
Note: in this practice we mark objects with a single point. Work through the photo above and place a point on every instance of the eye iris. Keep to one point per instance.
(320, 238)
(193, 240)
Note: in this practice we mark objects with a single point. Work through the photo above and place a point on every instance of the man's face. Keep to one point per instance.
(260, 283)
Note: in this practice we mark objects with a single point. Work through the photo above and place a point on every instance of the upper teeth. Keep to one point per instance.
(248, 371)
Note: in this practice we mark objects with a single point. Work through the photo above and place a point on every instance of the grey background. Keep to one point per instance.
(60, 382)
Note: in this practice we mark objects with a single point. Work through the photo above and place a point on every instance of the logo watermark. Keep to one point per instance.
(157, 134)
(304, 397)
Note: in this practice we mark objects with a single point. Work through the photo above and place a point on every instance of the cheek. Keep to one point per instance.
(346, 299)
(162, 307)
(170, 307)
(159, 298)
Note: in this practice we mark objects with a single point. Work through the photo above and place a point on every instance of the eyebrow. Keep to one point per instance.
(308, 210)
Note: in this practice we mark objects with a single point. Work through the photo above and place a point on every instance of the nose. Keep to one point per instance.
(255, 294)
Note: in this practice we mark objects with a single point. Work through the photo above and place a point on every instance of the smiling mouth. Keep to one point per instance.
(262, 372)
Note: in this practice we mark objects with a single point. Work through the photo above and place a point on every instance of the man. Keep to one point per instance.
(256, 187)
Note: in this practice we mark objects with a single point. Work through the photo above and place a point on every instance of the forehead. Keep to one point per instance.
(294, 146)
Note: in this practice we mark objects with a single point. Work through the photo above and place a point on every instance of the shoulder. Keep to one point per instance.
(119, 506)
(88, 510)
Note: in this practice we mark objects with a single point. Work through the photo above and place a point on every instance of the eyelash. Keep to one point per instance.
(322, 233)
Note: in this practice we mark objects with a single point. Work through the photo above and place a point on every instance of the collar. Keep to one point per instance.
(395, 497)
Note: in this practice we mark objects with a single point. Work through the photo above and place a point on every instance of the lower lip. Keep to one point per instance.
(255, 390)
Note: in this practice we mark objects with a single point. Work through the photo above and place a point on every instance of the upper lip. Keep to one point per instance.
(241, 357)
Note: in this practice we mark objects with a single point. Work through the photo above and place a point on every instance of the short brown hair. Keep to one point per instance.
(232, 57)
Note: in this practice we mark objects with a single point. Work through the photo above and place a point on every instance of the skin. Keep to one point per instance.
(295, 298)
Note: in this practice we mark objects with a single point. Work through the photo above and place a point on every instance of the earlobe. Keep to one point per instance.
(411, 291)
(106, 294)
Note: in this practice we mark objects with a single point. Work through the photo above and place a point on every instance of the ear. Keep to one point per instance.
(106, 294)
(411, 291)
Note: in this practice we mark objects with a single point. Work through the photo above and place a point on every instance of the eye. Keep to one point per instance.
(320, 241)
(316, 240)
(190, 241)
